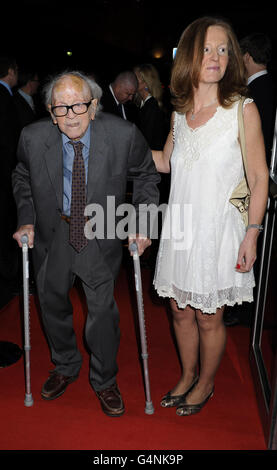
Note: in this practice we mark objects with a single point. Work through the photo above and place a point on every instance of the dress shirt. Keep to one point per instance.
(68, 157)
(146, 99)
(117, 102)
(6, 85)
(28, 98)
(256, 75)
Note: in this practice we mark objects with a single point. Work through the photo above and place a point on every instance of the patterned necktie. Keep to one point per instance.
(78, 200)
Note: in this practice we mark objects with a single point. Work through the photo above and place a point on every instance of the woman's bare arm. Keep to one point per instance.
(257, 173)
(162, 157)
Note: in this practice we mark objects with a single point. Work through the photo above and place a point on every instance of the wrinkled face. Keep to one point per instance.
(215, 58)
(68, 91)
(124, 92)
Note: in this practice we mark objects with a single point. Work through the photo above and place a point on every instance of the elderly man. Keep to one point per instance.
(80, 158)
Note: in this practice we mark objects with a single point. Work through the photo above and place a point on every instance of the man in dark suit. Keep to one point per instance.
(66, 168)
(117, 98)
(257, 50)
(9, 133)
(28, 82)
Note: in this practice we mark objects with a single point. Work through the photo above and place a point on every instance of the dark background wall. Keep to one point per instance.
(106, 36)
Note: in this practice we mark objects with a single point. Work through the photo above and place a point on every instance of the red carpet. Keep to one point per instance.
(75, 421)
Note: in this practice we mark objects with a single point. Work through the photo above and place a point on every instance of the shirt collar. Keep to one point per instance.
(85, 139)
(146, 99)
(27, 97)
(256, 75)
(110, 87)
(6, 85)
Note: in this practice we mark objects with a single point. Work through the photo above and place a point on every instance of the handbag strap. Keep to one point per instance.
(242, 133)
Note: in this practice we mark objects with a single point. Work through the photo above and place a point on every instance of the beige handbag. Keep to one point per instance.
(240, 197)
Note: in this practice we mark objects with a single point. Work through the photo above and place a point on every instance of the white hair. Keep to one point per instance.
(95, 89)
(127, 77)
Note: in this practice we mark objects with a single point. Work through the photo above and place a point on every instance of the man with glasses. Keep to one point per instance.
(81, 158)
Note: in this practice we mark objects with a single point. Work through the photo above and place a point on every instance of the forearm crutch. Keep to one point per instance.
(27, 345)
(149, 409)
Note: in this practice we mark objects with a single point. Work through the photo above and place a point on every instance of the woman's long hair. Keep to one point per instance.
(150, 76)
(188, 60)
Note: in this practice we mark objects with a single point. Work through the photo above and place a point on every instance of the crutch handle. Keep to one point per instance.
(133, 247)
(24, 238)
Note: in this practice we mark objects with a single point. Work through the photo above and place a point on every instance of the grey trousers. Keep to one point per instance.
(102, 334)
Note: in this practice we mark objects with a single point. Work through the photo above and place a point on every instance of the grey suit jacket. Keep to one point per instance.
(118, 152)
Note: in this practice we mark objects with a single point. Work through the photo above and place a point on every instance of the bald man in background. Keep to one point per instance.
(118, 97)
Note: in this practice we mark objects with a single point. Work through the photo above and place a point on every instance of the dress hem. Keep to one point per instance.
(209, 311)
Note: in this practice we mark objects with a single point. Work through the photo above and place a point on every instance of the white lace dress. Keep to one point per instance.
(202, 230)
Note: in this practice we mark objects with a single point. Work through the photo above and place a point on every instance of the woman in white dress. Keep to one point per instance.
(206, 255)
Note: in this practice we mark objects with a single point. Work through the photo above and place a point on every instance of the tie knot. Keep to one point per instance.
(78, 146)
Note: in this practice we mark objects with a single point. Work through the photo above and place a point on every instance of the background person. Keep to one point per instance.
(9, 135)
(152, 118)
(28, 83)
(257, 52)
(118, 97)
(152, 121)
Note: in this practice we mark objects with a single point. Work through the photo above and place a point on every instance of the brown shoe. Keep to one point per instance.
(55, 385)
(111, 401)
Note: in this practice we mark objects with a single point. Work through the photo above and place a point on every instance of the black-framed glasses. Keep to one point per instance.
(78, 108)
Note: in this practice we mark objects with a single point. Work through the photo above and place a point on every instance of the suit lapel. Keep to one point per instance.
(54, 162)
(97, 158)
(97, 161)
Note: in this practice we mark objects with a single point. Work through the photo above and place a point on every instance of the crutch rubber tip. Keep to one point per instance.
(149, 408)
(28, 400)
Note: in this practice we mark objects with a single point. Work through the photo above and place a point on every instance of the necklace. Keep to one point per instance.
(193, 115)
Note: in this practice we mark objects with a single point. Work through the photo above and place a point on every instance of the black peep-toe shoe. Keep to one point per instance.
(186, 409)
(169, 401)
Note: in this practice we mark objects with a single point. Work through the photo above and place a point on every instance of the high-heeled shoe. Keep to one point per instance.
(169, 401)
(185, 409)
